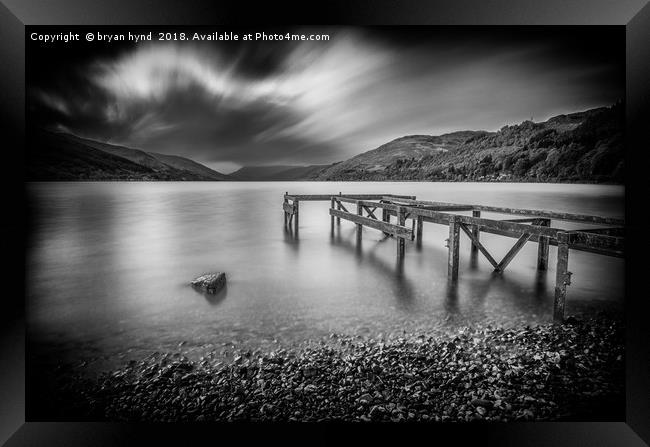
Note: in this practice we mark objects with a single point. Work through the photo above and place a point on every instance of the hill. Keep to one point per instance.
(62, 156)
(277, 172)
(584, 146)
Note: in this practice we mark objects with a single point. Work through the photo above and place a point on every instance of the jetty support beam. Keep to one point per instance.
(454, 245)
(476, 232)
(359, 226)
(542, 247)
(401, 241)
(562, 276)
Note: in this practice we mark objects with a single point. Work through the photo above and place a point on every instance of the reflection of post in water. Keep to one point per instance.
(451, 298)
(540, 285)
(402, 287)
(291, 237)
(399, 267)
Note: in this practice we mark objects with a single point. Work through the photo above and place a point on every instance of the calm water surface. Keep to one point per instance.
(109, 265)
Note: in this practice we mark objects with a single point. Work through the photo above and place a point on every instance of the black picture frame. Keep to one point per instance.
(634, 15)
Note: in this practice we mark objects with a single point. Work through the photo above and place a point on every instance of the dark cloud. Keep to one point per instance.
(238, 103)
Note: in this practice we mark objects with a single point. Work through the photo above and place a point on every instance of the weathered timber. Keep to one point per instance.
(395, 230)
(476, 242)
(338, 207)
(569, 217)
(296, 213)
(332, 201)
(482, 223)
(615, 231)
(477, 235)
(518, 211)
(513, 252)
(425, 204)
(371, 213)
(359, 226)
(522, 220)
(562, 277)
(385, 217)
(401, 242)
(553, 242)
(542, 247)
(420, 224)
(326, 197)
(284, 204)
(533, 226)
(596, 240)
(454, 245)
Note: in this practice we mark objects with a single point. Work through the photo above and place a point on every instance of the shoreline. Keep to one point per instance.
(547, 372)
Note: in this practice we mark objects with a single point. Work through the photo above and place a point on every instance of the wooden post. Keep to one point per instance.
(418, 233)
(385, 216)
(413, 229)
(332, 217)
(473, 257)
(359, 226)
(542, 247)
(401, 220)
(338, 207)
(454, 244)
(562, 276)
(296, 205)
(283, 210)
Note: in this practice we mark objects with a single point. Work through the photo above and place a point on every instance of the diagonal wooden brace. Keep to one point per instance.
(480, 246)
(513, 252)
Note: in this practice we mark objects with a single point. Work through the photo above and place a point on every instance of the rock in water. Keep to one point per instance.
(211, 282)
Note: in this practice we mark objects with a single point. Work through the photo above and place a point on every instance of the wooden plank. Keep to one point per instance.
(553, 215)
(479, 246)
(289, 209)
(395, 230)
(510, 226)
(596, 240)
(522, 220)
(616, 231)
(513, 252)
(518, 211)
(426, 202)
(326, 197)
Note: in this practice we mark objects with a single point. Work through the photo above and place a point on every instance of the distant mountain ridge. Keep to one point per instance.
(277, 172)
(583, 146)
(62, 156)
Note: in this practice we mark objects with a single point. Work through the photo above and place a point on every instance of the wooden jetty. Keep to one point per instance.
(529, 226)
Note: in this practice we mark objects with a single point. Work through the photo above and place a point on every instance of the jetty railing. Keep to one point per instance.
(533, 226)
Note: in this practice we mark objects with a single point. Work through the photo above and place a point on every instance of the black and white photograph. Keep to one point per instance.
(389, 224)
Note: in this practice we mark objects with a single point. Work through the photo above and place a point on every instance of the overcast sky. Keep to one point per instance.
(233, 104)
